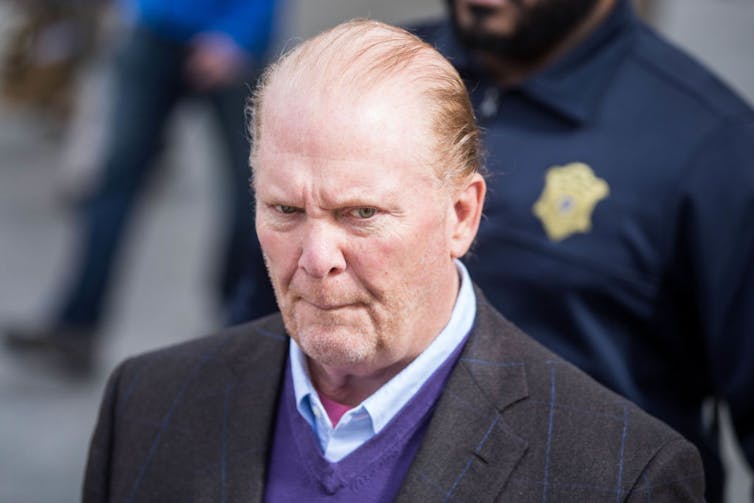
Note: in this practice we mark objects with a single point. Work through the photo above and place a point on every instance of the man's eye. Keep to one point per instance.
(363, 213)
(282, 208)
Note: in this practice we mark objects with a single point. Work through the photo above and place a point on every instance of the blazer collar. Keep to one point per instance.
(468, 451)
(255, 361)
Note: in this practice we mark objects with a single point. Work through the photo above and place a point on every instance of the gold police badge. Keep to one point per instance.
(571, 192)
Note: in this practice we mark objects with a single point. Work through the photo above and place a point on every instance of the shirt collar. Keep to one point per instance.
(573, 85)
(387, 401)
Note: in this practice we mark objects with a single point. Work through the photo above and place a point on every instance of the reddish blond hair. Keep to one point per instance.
(358, 56)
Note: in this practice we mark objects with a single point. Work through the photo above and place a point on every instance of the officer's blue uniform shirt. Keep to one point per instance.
(619, 221)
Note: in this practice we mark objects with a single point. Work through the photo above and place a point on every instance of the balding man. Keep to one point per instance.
(387, 375)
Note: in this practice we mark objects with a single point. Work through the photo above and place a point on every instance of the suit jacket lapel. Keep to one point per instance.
(468, 452)
(255, 364)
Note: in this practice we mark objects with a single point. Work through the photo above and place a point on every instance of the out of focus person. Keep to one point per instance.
(386, 376)
(210, 49)
(619, 229)
(86, 133)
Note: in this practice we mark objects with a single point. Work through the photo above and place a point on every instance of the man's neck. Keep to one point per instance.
(508, 73)
(349, 387)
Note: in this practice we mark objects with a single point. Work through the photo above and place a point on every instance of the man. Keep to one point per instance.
(619, 227)
(210, 49)
(399, 381)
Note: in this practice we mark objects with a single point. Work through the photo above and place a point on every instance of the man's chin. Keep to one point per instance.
(334, 346)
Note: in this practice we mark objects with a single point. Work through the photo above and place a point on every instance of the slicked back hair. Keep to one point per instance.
(356, 57)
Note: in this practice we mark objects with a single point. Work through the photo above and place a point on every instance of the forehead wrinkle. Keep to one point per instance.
(323, 184)
(267, 150)
(338, 181)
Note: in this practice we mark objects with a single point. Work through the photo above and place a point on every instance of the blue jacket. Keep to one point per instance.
(248, 22)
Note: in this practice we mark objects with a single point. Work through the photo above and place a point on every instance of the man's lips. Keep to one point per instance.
(327, 306)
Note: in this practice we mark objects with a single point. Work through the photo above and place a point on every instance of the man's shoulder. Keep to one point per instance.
(258, 340)
(559, 391)
(166, 413)
(682, 74)
(537, 421)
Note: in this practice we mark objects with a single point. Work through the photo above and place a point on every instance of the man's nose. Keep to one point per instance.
(322, 250)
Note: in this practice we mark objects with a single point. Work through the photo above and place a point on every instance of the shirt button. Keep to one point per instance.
(316, 412)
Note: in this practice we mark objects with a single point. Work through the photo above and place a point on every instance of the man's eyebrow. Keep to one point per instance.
(345, 204)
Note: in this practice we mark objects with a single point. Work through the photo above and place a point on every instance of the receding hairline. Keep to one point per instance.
(358, 54)
(357, 57)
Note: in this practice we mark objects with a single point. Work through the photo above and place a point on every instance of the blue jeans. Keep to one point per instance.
(149, 82)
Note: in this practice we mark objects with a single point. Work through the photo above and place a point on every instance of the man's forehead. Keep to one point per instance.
(350, 146)
(306, 178)
(333, 123)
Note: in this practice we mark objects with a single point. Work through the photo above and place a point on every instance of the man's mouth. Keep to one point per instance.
(323, 305)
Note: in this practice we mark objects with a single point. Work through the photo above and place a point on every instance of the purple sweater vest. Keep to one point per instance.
(297, 471)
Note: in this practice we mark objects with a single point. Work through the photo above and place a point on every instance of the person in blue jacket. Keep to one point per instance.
(619, 227)
(212, 49)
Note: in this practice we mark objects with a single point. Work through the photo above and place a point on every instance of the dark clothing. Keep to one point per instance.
(253, 296)
(514, 423)
(651, 292)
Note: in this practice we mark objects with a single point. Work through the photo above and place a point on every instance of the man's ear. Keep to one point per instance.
(466, 214)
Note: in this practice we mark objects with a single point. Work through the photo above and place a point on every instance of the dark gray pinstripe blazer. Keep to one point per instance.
(515, 423)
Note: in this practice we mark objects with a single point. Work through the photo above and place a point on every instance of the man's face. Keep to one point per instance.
(355, 229)
(518, 30)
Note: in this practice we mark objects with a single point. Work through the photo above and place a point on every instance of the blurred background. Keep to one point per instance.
(55, 66)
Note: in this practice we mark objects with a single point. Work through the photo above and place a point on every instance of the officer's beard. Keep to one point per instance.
(540, 28)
